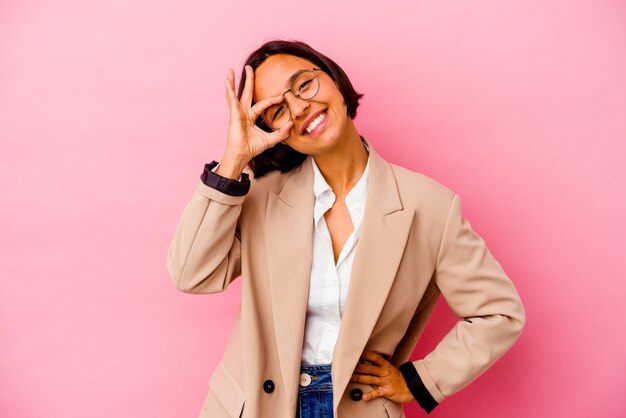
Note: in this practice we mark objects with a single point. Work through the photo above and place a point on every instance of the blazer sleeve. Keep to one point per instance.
(204, 255)
(477, 289)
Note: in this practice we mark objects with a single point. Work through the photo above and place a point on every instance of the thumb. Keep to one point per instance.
(284, 130)
(281, 133)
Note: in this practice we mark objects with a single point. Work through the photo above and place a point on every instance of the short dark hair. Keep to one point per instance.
(281, 156)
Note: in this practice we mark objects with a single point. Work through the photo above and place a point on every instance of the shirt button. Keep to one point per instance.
(305, 379)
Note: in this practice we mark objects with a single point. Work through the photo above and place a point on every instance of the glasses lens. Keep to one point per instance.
(277, 115)
(305, 86)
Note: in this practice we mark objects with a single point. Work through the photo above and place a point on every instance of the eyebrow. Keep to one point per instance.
(292, 78)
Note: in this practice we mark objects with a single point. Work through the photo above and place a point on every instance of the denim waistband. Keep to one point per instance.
(320, 378)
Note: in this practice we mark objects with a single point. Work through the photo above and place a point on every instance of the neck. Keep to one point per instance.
(343, 166)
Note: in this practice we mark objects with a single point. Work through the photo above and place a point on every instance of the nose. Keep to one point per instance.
(296, 106)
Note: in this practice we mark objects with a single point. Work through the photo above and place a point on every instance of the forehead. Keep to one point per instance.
(271, 77)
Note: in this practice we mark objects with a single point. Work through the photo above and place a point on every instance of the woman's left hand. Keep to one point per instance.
(386, 376)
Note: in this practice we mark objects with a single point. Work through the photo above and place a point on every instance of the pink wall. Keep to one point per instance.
(109, 109)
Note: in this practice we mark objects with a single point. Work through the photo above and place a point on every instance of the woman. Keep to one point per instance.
(342, 257)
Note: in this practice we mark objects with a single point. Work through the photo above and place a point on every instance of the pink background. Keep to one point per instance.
(109, 109)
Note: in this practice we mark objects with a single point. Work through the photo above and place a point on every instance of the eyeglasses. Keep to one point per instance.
(305, 86)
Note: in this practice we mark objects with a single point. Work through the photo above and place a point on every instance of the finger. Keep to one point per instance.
(376, 393)
(364, 378)
(285, 129)
(230, 93)
(248, 88)
(369, 369)
(277, 136)
(374, 357)
(260, 106)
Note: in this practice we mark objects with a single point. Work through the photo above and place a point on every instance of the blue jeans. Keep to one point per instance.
(315, 397)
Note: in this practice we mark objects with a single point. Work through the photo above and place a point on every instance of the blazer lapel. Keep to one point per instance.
(384, 232)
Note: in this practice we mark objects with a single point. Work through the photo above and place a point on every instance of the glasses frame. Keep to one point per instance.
(314, 69)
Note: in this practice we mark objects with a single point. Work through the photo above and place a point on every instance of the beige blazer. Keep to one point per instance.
(414, 246)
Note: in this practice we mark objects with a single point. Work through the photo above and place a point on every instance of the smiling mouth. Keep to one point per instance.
(317, 124)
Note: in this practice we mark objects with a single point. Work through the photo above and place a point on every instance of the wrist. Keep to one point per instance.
(231, 167)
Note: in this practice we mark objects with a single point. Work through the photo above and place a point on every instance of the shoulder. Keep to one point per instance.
(420, 191)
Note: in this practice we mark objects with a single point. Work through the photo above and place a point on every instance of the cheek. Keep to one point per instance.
(340, 100)
(340, 107)
(335, 101)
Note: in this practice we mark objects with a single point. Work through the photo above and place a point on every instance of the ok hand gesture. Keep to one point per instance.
(245, 139)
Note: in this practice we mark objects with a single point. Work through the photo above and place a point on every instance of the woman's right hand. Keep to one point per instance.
(245, 139)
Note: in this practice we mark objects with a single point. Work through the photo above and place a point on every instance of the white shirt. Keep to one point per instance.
(328, 286)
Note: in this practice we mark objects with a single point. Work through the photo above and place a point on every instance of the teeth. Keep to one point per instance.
(316, 122)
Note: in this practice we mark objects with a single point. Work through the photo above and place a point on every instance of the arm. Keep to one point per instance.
(205, 253)
(477, 289)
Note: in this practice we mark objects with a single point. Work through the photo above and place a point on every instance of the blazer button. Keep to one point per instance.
(268, 386)
(356, 394)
